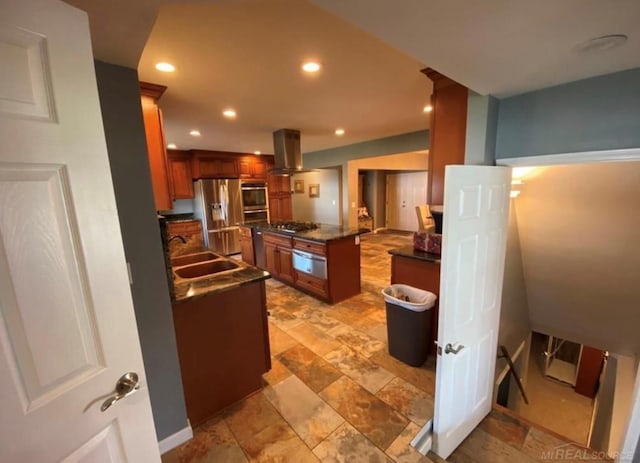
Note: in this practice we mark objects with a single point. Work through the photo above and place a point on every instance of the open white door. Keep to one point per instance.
(476, 212)
(67, 326)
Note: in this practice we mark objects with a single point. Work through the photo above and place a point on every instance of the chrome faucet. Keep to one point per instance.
(181, 238)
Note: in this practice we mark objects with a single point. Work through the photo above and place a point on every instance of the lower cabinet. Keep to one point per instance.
(246, 246)
(277, 252)
(223, 347)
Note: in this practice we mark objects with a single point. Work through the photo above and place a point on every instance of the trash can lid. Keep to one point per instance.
(419, 300)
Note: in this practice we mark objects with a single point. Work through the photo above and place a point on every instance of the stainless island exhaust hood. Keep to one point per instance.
(288, 155)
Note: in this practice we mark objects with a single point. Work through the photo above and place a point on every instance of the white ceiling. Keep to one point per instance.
(245, 53)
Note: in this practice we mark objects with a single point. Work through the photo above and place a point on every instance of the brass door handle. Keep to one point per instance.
(126, 385)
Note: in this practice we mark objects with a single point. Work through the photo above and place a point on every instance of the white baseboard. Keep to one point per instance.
(176, 439)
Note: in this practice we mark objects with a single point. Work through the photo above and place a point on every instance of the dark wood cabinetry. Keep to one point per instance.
(212, 164)
(156, 151)
(181, 180)
(280, 207)
(342, 261)
(246, 246)
(447, 132)
(252, 168)
(277, 252)
(223, 346)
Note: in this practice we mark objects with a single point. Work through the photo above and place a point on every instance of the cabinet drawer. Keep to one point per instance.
(279, 240)
(245, 232)
(311, 283)
(309, 246)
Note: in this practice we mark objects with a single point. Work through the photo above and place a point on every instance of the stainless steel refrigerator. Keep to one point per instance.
(219, 206)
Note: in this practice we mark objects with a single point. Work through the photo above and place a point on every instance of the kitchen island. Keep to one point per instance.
(222, 334)
(421, 270)
(323, 260)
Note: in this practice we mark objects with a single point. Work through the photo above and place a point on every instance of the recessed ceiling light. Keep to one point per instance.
(194, 133)
(165, 67)
(606, 42)
(311, 67)
(171, 146)
(229, 113)
(339, 132)
(257, 152)
(428, 108)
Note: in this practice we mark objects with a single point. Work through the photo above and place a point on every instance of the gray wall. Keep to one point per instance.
(482, 121)
(124, 131)
(413, 141)
(600, 113)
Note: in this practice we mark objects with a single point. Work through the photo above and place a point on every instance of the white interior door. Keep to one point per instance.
(404, 192)
(476, 212)
(67, 326)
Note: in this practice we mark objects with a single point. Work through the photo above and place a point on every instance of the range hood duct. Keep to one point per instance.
(288, 155)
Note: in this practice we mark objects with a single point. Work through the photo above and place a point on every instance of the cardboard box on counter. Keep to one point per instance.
(428, 242)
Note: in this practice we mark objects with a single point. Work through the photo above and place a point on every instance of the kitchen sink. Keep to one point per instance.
(205, 268)
(193, 258)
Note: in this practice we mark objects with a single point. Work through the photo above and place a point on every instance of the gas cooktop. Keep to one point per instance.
(294, 227)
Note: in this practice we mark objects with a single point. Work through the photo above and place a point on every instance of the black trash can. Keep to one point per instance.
(408, 322)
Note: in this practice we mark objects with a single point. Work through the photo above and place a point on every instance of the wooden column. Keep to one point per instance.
(448, 130)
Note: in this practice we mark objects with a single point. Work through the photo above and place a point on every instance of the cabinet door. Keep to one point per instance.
(246, 246)
(286, 209)
(274, 209)
(259, 169)
(286, 264)
(245, 167)
(205, 166)
(152, 118)
(180, 169)
(228, 168)
(271, 258)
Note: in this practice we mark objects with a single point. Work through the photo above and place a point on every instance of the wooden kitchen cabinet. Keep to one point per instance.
(212, 164)
(246, 246)
(181, 179)
(277, 250)
(156, 148)
(280, 202)
(447, 130)
(252, 168)
(223, 347)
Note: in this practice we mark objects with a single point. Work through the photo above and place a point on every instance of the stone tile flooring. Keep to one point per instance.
(334, 394)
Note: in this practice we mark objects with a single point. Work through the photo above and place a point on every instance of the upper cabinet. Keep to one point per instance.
(252, 167)
(154, 131)
(181, 183)
(214, 164)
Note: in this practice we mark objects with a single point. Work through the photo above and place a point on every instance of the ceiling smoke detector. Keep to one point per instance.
(598, 44)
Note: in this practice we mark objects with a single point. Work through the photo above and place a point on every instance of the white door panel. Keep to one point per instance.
(475, 218)
(67, 327)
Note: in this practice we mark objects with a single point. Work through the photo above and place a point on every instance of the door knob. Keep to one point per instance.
(126, 385)
(453, 348)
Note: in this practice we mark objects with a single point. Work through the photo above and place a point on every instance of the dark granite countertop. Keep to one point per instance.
(186, 289)
(323, 233)
(189, 217)
(409, 251)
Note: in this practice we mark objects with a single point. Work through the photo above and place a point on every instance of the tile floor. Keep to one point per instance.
(335, 395)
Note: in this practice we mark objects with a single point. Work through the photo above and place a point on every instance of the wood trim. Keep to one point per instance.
(154, 91)
(439, 80)
(582, 157)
